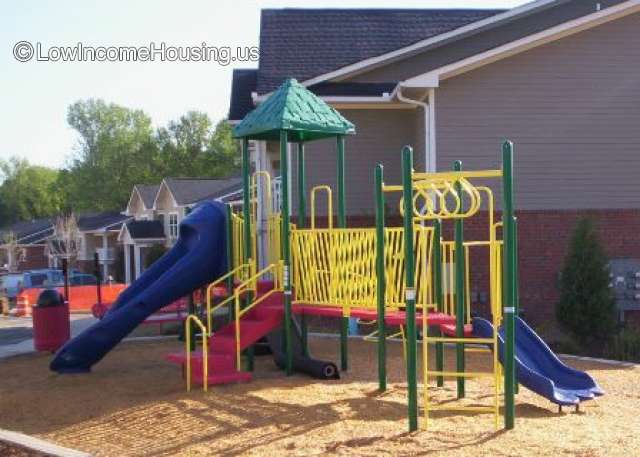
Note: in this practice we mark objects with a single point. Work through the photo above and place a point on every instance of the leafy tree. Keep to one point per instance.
(115, 151)
(192, 147)
(586, 308)
(27, 191)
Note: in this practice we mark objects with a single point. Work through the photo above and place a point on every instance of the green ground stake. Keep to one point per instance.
(437, 281)
(412, 344)
(509, 285)
(286, 253)
(460, 298)
(380, 280)
(342, 223)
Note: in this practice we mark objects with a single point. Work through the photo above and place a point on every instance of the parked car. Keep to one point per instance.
(10, 285)
(82, 279)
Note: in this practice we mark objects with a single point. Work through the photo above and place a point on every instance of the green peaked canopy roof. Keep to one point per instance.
(298, 111)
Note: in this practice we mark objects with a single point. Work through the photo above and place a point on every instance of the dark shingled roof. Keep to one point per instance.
(343, 89)
(242, 84)
(147, 193)
(108, 220)
(145, 229)
(303, 43)
(29, 232)
(192, 190)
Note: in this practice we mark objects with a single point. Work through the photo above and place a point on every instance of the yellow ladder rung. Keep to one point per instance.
(458, 374)
(468, 349)
(444, 339)
(480, 409)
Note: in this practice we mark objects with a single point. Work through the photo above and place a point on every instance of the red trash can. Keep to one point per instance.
(51, 323)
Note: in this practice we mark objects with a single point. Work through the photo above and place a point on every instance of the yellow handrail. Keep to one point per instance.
(205, 358)
(327, 189)
(215, 283)
(275, 269)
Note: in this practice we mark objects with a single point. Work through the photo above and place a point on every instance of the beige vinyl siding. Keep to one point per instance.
(572, 107)
(381, 134)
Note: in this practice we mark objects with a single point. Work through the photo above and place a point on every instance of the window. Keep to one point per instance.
(173, 225)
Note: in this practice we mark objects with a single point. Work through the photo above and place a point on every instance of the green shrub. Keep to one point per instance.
(153, 254)
(625, 346)
(586, 308)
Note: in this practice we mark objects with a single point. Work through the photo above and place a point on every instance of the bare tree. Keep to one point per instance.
(65, 241)
(11, 251)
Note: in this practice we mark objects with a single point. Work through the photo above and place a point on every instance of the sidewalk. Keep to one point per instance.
(16, 334)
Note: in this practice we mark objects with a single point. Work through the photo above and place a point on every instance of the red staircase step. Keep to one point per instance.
(450, 330)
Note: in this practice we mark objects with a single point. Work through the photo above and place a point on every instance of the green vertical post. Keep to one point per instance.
(380, 280)
(437, 290)
(460, 289)
(246, 213)
(286, 252)
(230, 264)
(302, 221)
(508, 284)
(412, 343)
(516, 291)
(342, 223)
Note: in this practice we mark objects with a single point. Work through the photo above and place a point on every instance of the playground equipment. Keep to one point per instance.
(402, 276)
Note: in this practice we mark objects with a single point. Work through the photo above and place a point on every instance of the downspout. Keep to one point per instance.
(429, 153)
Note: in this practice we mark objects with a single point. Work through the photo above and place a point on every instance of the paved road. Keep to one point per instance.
(16, 334)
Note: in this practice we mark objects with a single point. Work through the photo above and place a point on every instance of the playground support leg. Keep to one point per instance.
(509, 285)
(380, 280)
(412, 344)
(246, 213)
(286, 253)
(437, 281)
(230, 265)
(302, 220)
(460, 291)
(342, 223)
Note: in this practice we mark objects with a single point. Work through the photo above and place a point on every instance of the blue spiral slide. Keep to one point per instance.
(197, 257)
(539, 369)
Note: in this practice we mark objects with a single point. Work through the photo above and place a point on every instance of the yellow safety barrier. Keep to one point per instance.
(205, 358)
(336, 267)
(274, 271)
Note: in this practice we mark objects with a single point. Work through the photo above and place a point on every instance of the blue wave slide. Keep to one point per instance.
(196, 259)
(539, 369)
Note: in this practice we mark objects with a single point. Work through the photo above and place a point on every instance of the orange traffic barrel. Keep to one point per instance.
(23, 307)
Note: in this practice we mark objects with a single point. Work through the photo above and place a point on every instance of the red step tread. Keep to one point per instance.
(391, 317)
(450, 330)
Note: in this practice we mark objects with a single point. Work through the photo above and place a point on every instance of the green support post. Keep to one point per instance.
(230, 264)
(437, 289)
(412, 343)
(459, 287)
(509, 285)
(302, 221)
(246, 213)
(516, 290)
(342, 223)
(286, 252)
(380, 280)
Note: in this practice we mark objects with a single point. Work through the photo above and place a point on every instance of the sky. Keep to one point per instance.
(35, 94)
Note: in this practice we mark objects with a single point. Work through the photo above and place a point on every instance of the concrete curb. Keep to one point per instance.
(616, 363)
(35, 444)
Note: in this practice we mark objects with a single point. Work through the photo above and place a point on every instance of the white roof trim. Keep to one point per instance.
(155, 200)
(366, 64)
(432, 78)
(385, 98)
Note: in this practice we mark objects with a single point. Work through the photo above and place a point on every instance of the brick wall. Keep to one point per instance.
(35, 258)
